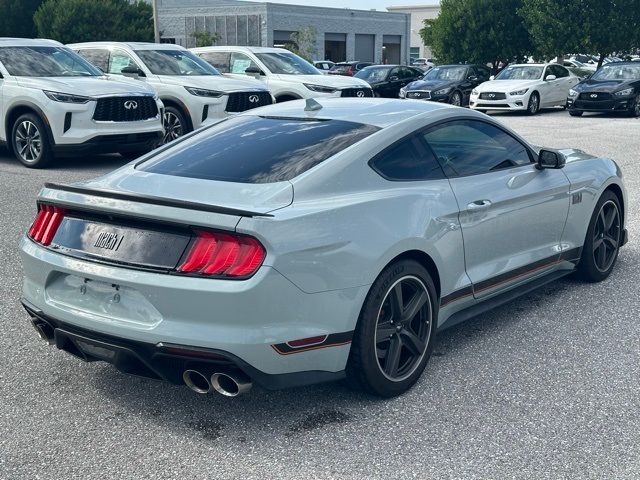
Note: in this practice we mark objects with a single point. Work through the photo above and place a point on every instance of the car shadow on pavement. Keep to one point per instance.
(76, 163)
(260, 414)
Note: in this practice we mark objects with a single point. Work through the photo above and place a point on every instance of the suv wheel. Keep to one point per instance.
(175, 125)
(395, 332)
(30, 143)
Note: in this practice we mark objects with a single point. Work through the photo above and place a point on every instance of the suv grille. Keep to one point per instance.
(493, 96)
(357, 92)
(242, 101)
(125, 109)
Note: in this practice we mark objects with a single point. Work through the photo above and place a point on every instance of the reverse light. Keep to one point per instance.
(223, 254)
(46, 224)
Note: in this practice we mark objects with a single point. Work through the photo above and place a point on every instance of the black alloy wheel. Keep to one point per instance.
(603, 241)
(635, 109)
(456, 99)
(395, 331)
(174, 125)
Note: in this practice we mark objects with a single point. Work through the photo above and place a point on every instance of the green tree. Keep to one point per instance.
(16, 18)
(205, 39)
(93, 20)
(478, 31)
(590, 26)
(304, 43)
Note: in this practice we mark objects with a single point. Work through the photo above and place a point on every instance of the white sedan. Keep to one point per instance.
(528, 87)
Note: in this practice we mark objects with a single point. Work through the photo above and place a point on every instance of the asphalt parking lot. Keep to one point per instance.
(544, 387)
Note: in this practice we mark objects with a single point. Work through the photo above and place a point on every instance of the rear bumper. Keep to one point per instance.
(130, 142)
(161, 361)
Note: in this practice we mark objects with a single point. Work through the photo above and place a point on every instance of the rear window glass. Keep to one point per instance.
(252, 149)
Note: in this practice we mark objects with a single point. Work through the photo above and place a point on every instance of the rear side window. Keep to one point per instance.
(407, 160)
(252, 149)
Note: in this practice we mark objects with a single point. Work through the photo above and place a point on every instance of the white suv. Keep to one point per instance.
(193, 92)
(52, 102)
(288, 76)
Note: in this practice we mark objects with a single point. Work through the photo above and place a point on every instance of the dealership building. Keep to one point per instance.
(342, 33)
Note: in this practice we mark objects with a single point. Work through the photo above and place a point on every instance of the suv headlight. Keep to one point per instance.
(519, 92)
(626, 91)
(442, 91)
(573, 93)
(66, 97)
(319, 88)
(201, 92)
(474, 92)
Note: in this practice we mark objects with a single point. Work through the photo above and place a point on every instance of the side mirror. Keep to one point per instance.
(394, 78)
(255, 71)
(492, 77)
(548, 78)
(548, 158)
(473, 78)
(132, 71)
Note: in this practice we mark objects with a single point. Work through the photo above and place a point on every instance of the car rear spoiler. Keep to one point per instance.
(152, 200)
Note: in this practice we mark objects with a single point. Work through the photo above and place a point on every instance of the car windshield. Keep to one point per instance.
(46, 62)
(614, 71)
(285, 63)
(446, 73)
(175, 62)
(373, 74)
(253, 149)
(520, 73)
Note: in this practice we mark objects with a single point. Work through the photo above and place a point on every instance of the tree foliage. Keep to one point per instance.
(574, 26)
(304, 43)
(478, 31)
(205, 39)
(93, 20)
(16, 18)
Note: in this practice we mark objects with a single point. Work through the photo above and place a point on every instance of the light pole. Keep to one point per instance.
(156, 30)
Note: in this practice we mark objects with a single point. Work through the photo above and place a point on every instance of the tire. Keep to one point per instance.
(575, 113)
(30, 141)
(591, 267)
(533, 106)
(635, 110)
(379, 332)
(456, 99)
(175, 124)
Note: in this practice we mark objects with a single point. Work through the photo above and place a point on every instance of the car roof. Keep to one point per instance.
(131, 45)
(379, 112)
(241, 49)
(28, 42)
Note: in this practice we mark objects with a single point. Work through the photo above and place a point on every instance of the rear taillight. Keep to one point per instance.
(223, 254)
(46, 224)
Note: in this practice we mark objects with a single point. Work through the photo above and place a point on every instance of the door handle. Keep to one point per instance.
(479, 205)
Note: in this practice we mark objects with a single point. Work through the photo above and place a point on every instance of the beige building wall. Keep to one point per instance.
(419, 13)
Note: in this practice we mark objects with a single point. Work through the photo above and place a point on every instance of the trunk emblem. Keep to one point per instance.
(108, 241)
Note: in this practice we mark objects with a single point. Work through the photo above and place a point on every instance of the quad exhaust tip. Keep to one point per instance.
(225, 383)
(230, 384)
(196, 381)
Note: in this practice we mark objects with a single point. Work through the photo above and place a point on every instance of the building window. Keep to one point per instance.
(414, 53)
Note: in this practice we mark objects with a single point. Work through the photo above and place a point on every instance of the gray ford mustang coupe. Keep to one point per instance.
(311, 241)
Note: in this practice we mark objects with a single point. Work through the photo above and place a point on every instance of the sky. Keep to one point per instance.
(355, 4)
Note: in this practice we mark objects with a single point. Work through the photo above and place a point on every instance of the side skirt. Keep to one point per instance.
(502, 298)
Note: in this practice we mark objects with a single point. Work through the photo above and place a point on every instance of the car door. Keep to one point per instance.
(567, 81)
(393, 84)
(467, 83)
(512, 215)
(558, 93)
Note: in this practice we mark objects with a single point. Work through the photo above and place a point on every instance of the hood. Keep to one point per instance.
(214, 82)
(255, 197)
(506, 86)
(89, 86)
(430, 85)
(334, 81)
(609, 86)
